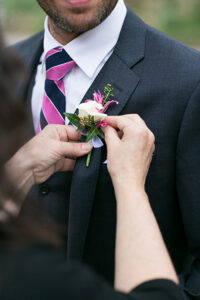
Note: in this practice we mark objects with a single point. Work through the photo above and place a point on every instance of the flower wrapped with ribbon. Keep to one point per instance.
(91, 115)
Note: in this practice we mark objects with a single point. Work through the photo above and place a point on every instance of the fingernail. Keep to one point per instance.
(87, 146)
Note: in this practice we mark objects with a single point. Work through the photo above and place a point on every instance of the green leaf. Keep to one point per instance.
(100, 133)
(92, 133)
(74, 119)
(108, 90)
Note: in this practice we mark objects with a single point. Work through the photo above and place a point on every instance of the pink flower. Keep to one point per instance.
(98, 97)
(99, 110)
(102, 124)
(108, 104)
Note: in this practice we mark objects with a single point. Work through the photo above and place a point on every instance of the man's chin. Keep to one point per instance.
(78, 24)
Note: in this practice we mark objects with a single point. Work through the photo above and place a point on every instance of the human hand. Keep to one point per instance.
(129, 150)
(54, 149)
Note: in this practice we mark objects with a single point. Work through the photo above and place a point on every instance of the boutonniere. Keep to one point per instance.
(91, 115)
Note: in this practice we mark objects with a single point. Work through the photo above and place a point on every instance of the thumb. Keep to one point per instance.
(73, 150)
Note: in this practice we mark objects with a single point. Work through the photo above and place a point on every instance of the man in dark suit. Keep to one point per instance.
(155, 77)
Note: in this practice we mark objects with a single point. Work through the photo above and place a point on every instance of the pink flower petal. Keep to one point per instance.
(108, 104)
(98, 97)
(102, 124)
(99, 111)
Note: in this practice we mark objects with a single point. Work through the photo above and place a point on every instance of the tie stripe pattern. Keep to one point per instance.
(58, 64)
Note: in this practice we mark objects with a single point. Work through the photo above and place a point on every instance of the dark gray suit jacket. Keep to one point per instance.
(159, 79)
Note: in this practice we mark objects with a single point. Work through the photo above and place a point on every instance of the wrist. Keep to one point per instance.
(125, 183)
(129, 193)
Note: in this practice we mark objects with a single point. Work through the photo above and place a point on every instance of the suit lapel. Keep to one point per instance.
(118, 73)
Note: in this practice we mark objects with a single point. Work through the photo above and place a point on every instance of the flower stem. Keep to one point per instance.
(88, 159)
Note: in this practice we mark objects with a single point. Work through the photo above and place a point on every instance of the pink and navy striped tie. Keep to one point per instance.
(58, 64)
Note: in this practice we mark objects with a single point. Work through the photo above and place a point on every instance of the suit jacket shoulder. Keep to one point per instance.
(157, 51)
(164, 65)
(171, 50)
(30, 49)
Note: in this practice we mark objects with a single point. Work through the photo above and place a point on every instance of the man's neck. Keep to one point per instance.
(62, 36)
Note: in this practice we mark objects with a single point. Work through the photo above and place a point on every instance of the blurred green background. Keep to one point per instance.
(178, 18)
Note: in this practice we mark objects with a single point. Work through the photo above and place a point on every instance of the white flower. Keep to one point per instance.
(91, 108)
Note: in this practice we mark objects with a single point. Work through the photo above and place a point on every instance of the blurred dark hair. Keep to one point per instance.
(12, 114)
(22, 229)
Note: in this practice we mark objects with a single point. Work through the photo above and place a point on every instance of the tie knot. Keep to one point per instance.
(58, 64)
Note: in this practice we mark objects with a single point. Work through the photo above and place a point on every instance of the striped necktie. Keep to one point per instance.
(58, 64)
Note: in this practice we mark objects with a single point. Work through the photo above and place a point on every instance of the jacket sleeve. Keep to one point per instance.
(47, 276)
(76, 282)
(188, 189)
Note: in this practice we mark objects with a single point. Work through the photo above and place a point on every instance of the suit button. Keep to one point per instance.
(44, 189)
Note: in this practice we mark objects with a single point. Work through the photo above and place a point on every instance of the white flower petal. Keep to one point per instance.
(91, 109)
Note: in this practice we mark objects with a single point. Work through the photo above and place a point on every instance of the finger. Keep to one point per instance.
(68, 132)
(134, 117)
(61, 132)
(55, 131)
(73, 141)
(72, 133)
(134, 125)
(120, 122)
(67, 165)
(111, 135)
(73, 150)
(115, 122)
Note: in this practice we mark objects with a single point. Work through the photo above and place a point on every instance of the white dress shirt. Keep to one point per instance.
(90, 51)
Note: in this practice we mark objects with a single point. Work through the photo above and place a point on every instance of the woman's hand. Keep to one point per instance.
(129, 150)
(54, 149)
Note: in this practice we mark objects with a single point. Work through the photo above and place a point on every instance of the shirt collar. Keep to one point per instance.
(90, 48)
